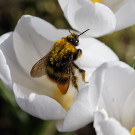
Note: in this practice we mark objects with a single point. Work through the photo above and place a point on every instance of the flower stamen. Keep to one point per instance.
(100, 1)
(133, 131)
(65, 100)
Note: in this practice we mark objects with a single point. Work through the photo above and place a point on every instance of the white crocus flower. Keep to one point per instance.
(100, 16)
(20, 50)
(115, 84)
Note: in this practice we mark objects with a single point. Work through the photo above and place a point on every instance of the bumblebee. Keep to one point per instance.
(59, 64)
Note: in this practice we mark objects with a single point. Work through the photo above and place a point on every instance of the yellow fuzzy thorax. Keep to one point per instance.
(72, 35)
(60, 50)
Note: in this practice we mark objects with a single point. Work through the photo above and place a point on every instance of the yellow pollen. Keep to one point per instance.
(133, 131)
(100, 1)
(65, 100)
(61, 50)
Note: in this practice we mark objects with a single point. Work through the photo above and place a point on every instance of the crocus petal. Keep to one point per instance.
(12, 66)
(5, 75)
(45, 29)
(114, 81)
(40, 106)
(4, 37)
(84, 15)
(29, 46)
(94, 53)
(108, 126)
(125, 16)
(79, 114)
(128, 114)
(114, 5)
(31, 33)
(64, 6)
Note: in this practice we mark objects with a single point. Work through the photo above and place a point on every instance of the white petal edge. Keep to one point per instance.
(4, 37)
(5, 75)
(40, 106)
(46, 30)
(94, 53)
(96, 17)
(110, 90)
(80, 113)
(77, 4)
(64, 4)
(108, 126)
(125, 16)
(128, 113)
(115, 4)
(9, 55)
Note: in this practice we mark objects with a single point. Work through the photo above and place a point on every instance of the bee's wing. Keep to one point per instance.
(39, 69)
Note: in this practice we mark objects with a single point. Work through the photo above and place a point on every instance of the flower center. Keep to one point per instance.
(65, 100)
(133, 131)
(96, 1)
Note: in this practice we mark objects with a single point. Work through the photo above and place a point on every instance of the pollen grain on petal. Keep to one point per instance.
(100, 1)
(133, 131)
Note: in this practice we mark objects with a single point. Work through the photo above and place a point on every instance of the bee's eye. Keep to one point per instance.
(75, 42)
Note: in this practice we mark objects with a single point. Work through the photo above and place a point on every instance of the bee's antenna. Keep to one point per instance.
(83, 32)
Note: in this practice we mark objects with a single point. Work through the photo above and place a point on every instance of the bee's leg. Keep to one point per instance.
(77, 54)
(80, 71)
(74, 80)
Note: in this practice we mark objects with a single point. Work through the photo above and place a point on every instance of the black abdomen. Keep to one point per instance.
(59, 74)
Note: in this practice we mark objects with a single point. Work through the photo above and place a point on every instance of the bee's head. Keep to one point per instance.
(73, 38)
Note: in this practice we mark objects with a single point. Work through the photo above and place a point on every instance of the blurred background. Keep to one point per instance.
(13, 121)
